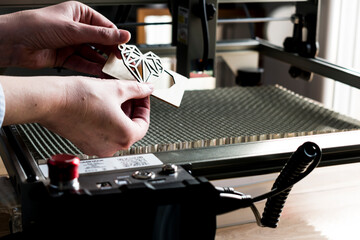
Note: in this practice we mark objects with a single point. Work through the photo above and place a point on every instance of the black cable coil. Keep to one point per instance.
(290, 174)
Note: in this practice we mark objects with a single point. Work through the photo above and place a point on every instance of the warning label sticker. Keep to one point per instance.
(113, 163)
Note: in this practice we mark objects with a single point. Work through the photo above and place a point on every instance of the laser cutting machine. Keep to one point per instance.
(217, 133)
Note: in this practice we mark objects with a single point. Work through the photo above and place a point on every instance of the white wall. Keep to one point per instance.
(339, 41)
(340, 23)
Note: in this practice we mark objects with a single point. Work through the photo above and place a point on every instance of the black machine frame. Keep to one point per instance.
(228, 161)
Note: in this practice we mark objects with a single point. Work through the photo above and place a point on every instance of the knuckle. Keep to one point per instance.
(138, 87)
(127, 140)
(104, 33)
(124, 145)
(119, 87)
(71, 28)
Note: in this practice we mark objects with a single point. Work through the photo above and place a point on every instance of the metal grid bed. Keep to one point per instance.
(213, 117)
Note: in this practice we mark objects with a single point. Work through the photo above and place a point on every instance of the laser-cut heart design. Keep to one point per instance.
(169, 86)
(144, 67)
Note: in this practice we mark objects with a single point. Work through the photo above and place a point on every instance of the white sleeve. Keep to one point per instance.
(2, 105)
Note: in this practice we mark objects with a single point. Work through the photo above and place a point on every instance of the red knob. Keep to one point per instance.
(63, 168)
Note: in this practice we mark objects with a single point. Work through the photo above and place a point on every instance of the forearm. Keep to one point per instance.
(16, 33)
(6, 48)
(31, 99)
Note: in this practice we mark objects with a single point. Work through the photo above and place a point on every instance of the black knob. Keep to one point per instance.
(169, 168)
(210, 11)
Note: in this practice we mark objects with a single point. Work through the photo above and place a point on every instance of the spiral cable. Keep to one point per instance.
(305, 157)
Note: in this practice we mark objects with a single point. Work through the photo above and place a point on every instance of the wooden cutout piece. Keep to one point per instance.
(169, 86)
(174, 94)
(116, 68)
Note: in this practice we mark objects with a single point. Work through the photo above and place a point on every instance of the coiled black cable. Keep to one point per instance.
(291, 172)
(305, 159)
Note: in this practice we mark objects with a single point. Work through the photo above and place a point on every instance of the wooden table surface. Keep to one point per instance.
(325, 205)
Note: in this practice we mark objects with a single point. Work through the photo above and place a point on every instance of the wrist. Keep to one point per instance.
(63, 96)
(30, 99)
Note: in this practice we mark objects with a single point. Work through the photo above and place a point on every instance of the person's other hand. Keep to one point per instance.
(65, 35)
(104, 117)
(98, 116)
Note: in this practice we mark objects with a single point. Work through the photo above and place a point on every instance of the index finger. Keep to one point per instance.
(141, 117)
(141, 110)
(90, 16)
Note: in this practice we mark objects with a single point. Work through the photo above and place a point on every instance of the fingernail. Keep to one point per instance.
(124, 36)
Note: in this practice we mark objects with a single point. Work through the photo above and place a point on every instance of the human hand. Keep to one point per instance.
(65, 35)
(104, 116)
(99, 116)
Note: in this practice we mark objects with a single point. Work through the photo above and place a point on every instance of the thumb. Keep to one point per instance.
(136, 90)
(100, 35)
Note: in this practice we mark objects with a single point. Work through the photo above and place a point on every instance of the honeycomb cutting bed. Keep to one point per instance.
(213, 117)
